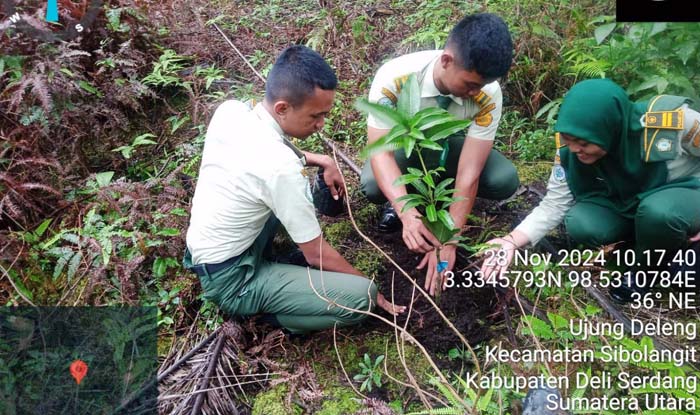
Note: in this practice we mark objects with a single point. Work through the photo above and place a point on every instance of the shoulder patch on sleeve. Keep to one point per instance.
(672, 120)
(559, 173)
(482, 99)
(484, 118)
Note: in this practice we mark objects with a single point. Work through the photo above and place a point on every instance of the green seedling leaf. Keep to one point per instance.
(406, 179)
(415, 171)
(430, 145)
(440, 189)
(426, 113)
(383, 113)
(428, 179)
(389, 142)
(409, 99)
(446, 129)
(446, 219)
(439, 230)
(422, 189)
(431, 213)
(408, 146)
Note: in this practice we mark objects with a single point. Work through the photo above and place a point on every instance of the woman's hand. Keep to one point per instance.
(695, 238)
(498, 258)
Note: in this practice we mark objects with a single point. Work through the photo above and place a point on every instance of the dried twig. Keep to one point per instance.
(189, 354)
(403, 332)
(204, 382)
(400, 347)
(342, 367)
(262, 78)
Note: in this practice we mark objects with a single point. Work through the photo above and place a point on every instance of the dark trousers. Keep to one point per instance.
(254, 285)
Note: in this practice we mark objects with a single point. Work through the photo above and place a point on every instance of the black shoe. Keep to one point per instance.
(389, 221)
(295, 257)
(623, 293)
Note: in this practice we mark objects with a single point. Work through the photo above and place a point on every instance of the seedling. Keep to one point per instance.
(420, 130)
(370, 373)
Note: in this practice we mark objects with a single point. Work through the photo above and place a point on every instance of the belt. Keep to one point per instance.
(204, 269)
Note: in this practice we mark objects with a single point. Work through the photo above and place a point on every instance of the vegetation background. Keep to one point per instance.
(101, 139)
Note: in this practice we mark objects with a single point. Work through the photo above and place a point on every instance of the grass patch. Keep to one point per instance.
(533, 172)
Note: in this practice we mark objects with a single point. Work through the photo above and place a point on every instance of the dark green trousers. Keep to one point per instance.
(498, 179)
(664, 220)
(254, 285)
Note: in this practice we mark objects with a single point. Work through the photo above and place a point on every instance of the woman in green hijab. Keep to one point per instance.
(624, 171)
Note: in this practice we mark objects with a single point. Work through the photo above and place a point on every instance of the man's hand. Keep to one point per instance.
(433, 278)
(388, 306)
(498, 258)
(331, 174)
(333, 179)
(417, 237)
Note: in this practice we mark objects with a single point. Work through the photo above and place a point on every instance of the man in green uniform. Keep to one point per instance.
(462, 79)
(627, 171)
(251, 180)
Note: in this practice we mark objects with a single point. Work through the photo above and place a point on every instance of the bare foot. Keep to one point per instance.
(389, 307)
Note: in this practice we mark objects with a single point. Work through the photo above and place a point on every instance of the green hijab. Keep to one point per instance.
(600, 112)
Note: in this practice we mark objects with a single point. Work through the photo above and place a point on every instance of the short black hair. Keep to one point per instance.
(482, 43)
(295, 75)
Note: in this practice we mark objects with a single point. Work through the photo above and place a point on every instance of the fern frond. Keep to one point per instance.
(8, 206)
(41, 91)
(36, 160)
(592, 69)
(454, 400)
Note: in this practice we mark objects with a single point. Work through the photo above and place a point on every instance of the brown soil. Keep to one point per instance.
(467, 309)
(475, 312)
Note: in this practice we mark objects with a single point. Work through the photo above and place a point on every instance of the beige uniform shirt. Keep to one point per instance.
(484, 109)
(247, 174)
(559, 199)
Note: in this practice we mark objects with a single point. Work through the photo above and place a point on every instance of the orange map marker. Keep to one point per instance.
(78, 369)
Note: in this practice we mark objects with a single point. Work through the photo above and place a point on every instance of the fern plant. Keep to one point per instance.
(471, 403)
(419, 131)
(633, 53)
(166, 72)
